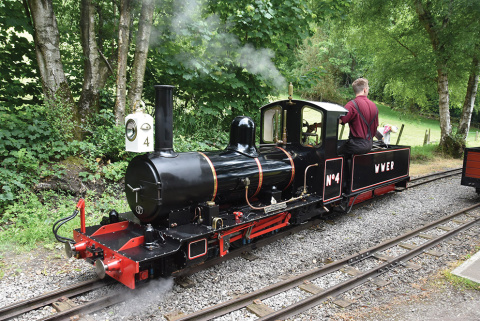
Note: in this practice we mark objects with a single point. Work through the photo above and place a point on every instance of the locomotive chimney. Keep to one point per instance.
(164, 121)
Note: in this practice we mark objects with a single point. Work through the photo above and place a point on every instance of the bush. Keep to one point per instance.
(31, 144)
(104, 138)
(28, 221)
(28, 142)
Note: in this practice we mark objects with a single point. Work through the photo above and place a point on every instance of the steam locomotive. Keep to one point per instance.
(187, 208)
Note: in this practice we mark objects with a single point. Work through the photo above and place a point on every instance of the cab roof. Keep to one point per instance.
(320, 104)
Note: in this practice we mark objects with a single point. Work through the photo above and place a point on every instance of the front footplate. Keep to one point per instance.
(118, 250)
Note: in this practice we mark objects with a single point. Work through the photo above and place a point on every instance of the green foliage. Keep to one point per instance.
(28, 222)
(323, 66)
(462, 283)
(268, 24)
(104, 138)
(398, 55)
(115, 171)
(337, 9)
(200, 141)
(18, 64)
(27, 142)
(103, 150)
(423, 154)
(31, 143)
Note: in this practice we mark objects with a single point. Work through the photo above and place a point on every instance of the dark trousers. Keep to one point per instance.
(355, 146)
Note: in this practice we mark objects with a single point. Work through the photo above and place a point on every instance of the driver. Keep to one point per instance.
(362, 119)
(310, 130)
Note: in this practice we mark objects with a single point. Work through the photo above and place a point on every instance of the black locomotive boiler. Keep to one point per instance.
(190, 207)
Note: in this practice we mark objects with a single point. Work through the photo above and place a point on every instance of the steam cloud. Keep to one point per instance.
(153, 293)
(259, 62)
(255, 61)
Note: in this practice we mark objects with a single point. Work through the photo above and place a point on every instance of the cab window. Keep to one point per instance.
(312, 120)
(272, 123)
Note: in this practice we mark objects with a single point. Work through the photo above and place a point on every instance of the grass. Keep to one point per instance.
(415, 127)
(28, 223)
(462, 283)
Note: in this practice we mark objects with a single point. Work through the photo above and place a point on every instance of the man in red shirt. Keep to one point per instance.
(362, 118)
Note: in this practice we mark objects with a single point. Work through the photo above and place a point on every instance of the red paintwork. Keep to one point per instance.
(254, 229)
(137, 241)
(81, 207)
(370, 194)
(110, 228)
(122, 268)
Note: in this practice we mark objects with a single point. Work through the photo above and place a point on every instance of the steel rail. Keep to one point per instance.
(435, 174)
(362, 278)
(269, 291)
(445, 174)
(87, 308)
(25, 306)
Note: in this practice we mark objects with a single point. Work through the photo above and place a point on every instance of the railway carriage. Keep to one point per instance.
(187, 208)
(471, 168)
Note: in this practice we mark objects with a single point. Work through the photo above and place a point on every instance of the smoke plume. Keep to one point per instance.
(222, 46)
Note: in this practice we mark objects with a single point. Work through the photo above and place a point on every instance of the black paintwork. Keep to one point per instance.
(164, 121)
(171, 189)
(376, 168)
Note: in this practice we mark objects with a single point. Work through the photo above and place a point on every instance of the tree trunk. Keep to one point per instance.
(141, 53)
(443, 105)
(472, 86)
(123, 44)
(96, 66)
(434, 30)
(54, 83)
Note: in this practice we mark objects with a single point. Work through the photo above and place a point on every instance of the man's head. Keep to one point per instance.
(360, 86)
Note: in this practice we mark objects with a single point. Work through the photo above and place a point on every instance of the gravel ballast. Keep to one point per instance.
(340, 235)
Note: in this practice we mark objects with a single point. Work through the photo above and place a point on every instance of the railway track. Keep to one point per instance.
(38, 302)
(417, 181)
(26, 306)
(460, 221)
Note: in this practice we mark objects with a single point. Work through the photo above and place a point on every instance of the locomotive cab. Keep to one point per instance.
(309, 130)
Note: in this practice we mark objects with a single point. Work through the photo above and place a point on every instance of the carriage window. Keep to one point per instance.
(312, 120)
(272, 124)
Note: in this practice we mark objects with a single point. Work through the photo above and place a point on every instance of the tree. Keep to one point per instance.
(96, 67)
(436, 27)
(415, 47)
(123, 46)
(55, 86)
(225, 57)
(141, 52)
(471, 93)
(102, 57)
